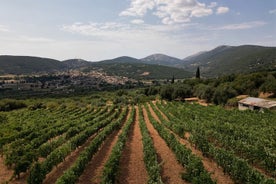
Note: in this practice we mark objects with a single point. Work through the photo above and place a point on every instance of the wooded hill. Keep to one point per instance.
(228, 60)
(219, 61)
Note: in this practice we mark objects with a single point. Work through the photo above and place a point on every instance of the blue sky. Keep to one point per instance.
(103, 29)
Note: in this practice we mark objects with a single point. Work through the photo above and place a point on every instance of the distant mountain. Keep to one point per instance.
(122, 59)
(219, 61)
(161, 59)
(191, 57)
(76, 63)
(27, 65)
(139, 71)
(229, 59)
(121, 66)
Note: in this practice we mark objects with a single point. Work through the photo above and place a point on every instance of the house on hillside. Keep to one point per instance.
(256, 104)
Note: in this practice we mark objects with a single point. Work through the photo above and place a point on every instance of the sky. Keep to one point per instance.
(103, 29)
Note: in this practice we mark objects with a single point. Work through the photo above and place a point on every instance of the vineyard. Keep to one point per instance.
(153, 142)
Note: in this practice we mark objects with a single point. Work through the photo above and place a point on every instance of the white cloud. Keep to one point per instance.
(137, 40)
(272, 11)
(222, 10)
(4, 28)
(241, 26)
(138, 8)
(137, 21)
(170, 11)
(120, 31)
(213, 5)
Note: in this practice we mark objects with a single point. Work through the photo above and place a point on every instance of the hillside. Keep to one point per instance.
(228, 59)
(140, 70)
(121, 66)
(122, 59)
(76, 63)
(27, 65)
(219, 61)
(161, 59)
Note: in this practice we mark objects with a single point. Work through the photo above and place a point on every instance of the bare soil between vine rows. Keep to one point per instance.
(132, 168)
(5, 173)
(69, 160)
(171, 169)
(211, 166)
(93, 171)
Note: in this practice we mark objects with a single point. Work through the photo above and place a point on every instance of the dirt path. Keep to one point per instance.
(69, 160)
(93, 171)
(211, 166)
(5, 173)
(171, 169)
(132, 167)
(163, 115)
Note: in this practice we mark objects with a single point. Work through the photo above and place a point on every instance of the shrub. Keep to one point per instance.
(8, 105)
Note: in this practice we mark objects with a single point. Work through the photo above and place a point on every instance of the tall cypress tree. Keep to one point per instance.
(198, 73)
(172, 79)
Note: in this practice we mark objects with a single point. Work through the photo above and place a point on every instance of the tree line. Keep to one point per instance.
(217, 90)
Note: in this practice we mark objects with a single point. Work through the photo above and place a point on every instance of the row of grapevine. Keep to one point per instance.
(236, 167)
(21, 153)
(38, 121)
(72, 174)
(111, 167)
(58, 155)
(46, 148)
(195, 171)
(221, 146)
(150, 155)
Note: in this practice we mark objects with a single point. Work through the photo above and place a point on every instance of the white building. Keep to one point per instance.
(256, 104)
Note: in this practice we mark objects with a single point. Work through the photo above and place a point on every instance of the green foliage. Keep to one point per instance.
(36, 106)
(36, 174)
(197, 73)
(232, 102)
(150, 155)
(121, 92)
(9, 104)
(195, 171)
(140, 71)
(219, 90)
(181, 91)
(269, 85)
(152, 90)
(71, 175)
(58, 154)
(111, 167)
(3, 118)
(27, 65)
(204, 91)
(237, 141)
(166, 92)
(226, 60)
(222, 93)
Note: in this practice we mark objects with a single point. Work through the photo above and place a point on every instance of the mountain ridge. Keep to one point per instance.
(221, 60)
(161, 59)
(232, 59)
(28, 64)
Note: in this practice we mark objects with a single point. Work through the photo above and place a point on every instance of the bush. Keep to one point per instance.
(182, 91)
(37, 106)
(223, 93)
(203, 91)
(8, 105)
(3, 118)
(233, 102)
(166, 92)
